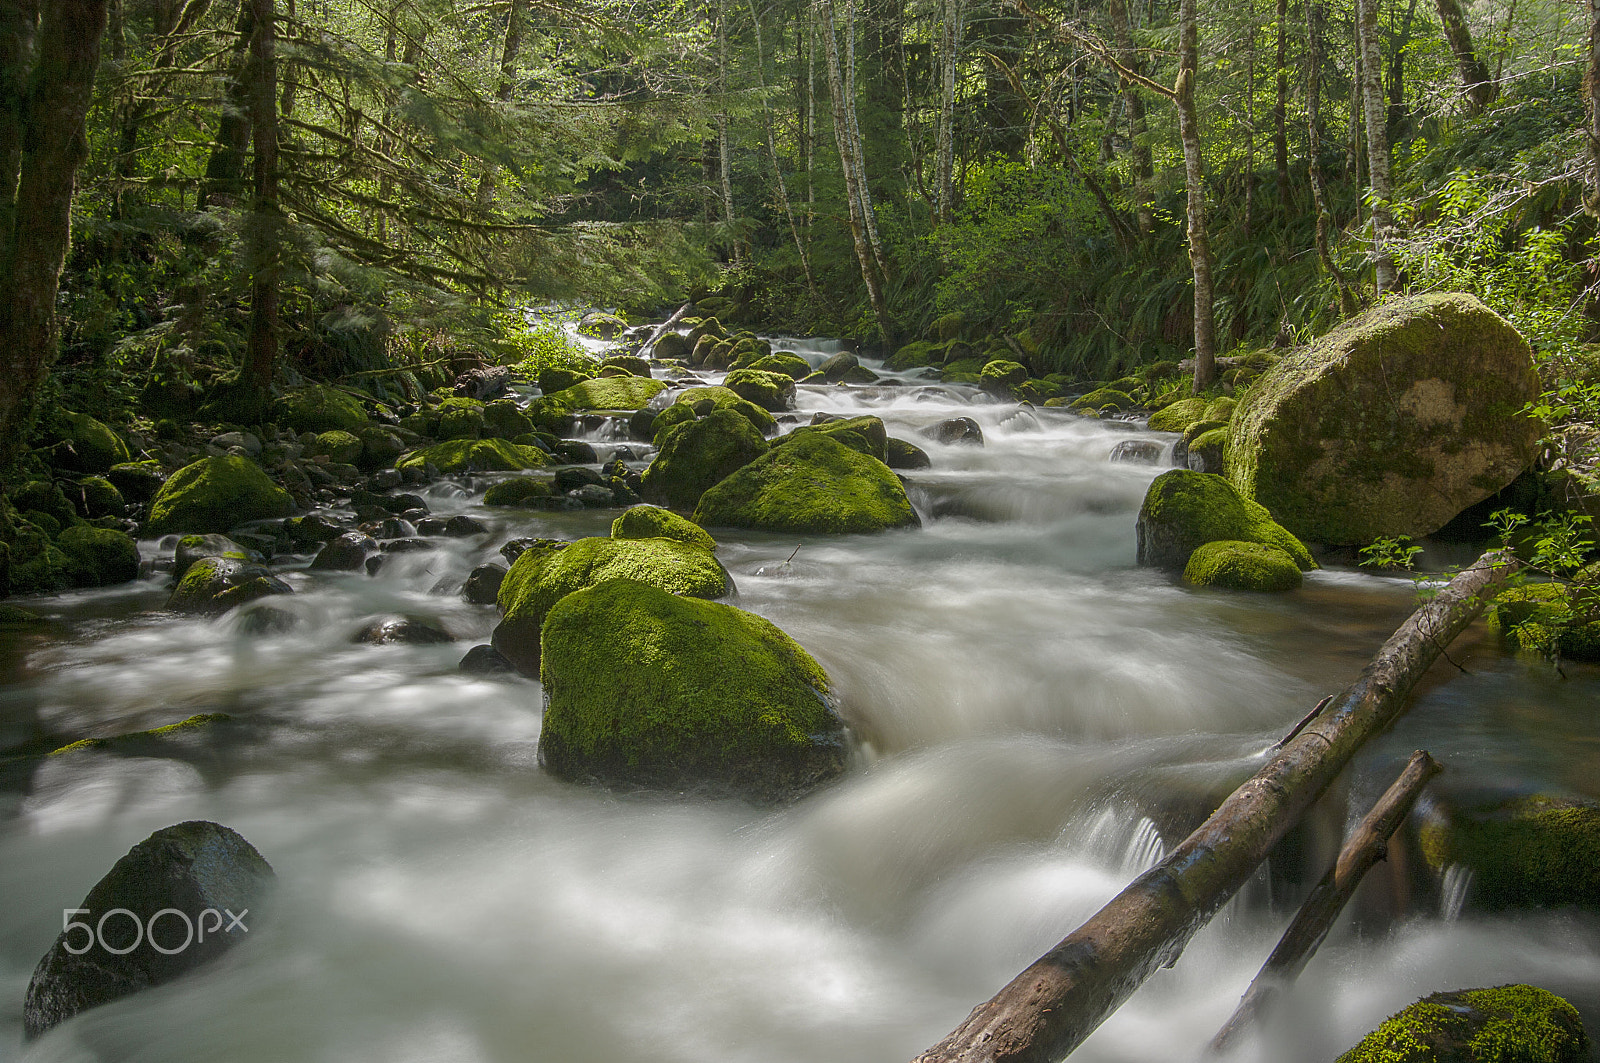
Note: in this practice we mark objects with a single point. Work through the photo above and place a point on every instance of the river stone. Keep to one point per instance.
(1205, 451)
(1183, 510)
(1179, 415)
(543, 575)
(213, 495)
(1137, 452)
(630, 364)
(1506, 1024)
(1391, 424)
(86, 445)
(647, 689)
(702, 401)
(834, 368)
(192, 867)
(519, 491)
(864, 435)
(695, 455)
(899, 454)
(956, 430)
(790, 365)
(604, 393)
(100, 557)
(1524, 851)
(95, 496)
(770, 391)
(601, 325)
(813, 485)
(485, 660)
(411, 630)
(1001, 378)
(671, 345)
(347, 553)
(475, 455)
(654, 522)
(135, 481)
(1241, 566)
(318, 408)
(483, 584)
(216, 584)
(248, 442)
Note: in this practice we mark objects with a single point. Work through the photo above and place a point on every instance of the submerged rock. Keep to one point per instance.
(216, 584)
(543, 575)
(194, 889)
(899, 454)
(698, 454)
(1506, 1024)
(1242, 566)
(413, 630)
(654, 522)
(1137, 452)
(1524, 851)
(213, 495)
(1389, 425)
(485, 660)
(1183, 510)
(956, 431)
(647, 689)
(812, 485)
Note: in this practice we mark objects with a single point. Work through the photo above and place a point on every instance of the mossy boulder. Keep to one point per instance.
(542, 575)
(949, 326)
(918, 352)
(1183, 510)
(94, 496)
(770, 391)
(1505, 1024)
(601, 325)
(672, 345)
(1002, 377)
(84, 444)
(1242, 566)
(458, 418)
(1207, 449)
(865, 435)
(645, 689)
(899, 454)
(46, 497)
(631, 364)
(1550, 619)
(518, 491)
(319, 409)
(339, 446)
(605, 393)
(475, 455)
(136, 481)
(1524, 851)
(1105, 399)
(1179, 415)
(38, 566)
(216, 584)
(1390, 425)
(812, 485)
(694, 455)
(504, 419)
(100, 556)
(192, 548)
(215, 494)
(722, 398)
(561, 377)
(790, 365)
(654, 522)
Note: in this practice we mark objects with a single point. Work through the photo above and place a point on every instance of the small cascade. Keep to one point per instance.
(1454, 885)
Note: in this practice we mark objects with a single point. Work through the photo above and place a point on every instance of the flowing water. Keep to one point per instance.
(1039, 720)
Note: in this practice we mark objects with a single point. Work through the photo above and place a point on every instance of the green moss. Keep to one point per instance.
(1242, 566)
(694, 455)
(518, 491)
(1183, 510)
(339, 446)
(136, 481)
(864, 435)
(1038, 392)
(45, 496)
(811, 485)
(948, 327)
(790, 365)
(476, 455)
(458, 418)
(1529, 851)
(654, 522)
(543, 575)
(601, 325)
(45, 571)
(1221, 409)
(96, 497)
(320, 409)
(920, 352)
(647, 689)
(99, 556)
(671, 346)
(1544, 617)
(722, 398)
(87, 445)
(504, 419)
(213, 495)
(770, 391)
(1200, 428)
(1104, 399)
(137, 741)
(1506, 1024)
(605, 393)
(1002, 375)
(1177, 416)
(560, 378)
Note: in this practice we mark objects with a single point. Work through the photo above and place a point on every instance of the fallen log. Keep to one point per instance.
(661, 330)
(1367, 844)
(1048, 1010)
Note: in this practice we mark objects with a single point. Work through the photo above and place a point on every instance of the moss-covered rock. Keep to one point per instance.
(770, 391)
(1105, 400)
(789, 364)
(812, 485)
(1002, 377)
(154, 741)
(100, 556)
(1390, 425)
(646, 689)
(562, 377)
(1506, 1024)
(518, 491)
(1525, 851)
(672, 345)
(192, 548)
(695, 455)
(39, 567)
(136, 481)
(1183, 510)
(1544, 617)
(601, 325)
(504, 419)
(721, 398)
(654, 522)
(84, 444)
(605, 393)
(1242, 566)
(949, 327)
(215, 494)
(475, 455)
(899, 454)
(95, 496)
(1179, 415)
(319, 409)
(458, 418)
(542, 575)
(919, 352)
(47, 497)
(865, 435)
(340, 446)
(1206, 450)
(216, 584)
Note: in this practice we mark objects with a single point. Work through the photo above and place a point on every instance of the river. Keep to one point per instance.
(1038, 718)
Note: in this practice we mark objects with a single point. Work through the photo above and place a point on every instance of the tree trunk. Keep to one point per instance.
(1280, 110)
(858, 145)
(51, 147)
(1383, 233)
(944, 164)
(1249, 123)
(1051, 1007)
(1479, 87)
(772, 153)
(1367, 844)
(508, 81)
(224, 179)
(1319, 196)
(19, 31)
(724, 164)
(1143, 166)
(1205, 341)
(262, 344)
(1591, 99)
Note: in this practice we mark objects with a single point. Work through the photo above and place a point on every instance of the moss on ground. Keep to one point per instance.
(318, 408)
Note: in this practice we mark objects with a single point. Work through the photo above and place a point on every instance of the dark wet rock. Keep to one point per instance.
(899, 454)
(641, 426)
(248, 442)
(135, 481)
(576, 452)
(262, 619)
(485, 383)
(411, 630)
(483, 585)
(406, 546)
(516, 547)
(571, 479)
(395, 528)
(458, 526)
(834, 369)
(595, 496)
(485, 660)
(347, 553)
(195, 868)
(1137, 452)
(216, 584)
(957, 430)
(380, 447)
(518, 491)
(384, 480)
(312, 528)
(192, 548)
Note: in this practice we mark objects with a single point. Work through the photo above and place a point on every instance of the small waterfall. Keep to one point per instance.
(1453, 890)
(1145, 849)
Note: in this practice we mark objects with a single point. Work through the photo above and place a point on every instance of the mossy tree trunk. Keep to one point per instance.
(1050, 1008)
(1280, 109)
(1376, 116)
(1205, 333)
(55, 47)
(1480, 88)
(1315, 17)
(224, 180)
(266, 220)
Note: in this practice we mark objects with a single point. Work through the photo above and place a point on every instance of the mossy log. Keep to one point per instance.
(1050, 1008)
(1367, 844)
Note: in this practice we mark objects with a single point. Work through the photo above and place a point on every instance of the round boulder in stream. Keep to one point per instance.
(697, 454)
(810, 485)
(216, 584)
(1184, 510)
(956, 431)
(176, 901)
(645, 689)
(213, 495)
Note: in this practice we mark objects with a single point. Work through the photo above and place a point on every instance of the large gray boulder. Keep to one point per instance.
(1391, 424)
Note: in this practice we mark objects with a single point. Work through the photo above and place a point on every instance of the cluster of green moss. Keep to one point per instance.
(770, 391)
(215, 494)
(604, 393)
(1505, 1024)
(1242, 566)
(654, 522)
(1530, 851)
(701, 401)
(1546, 617)
(865, 435)
(476, 455)
(1183, 510)
(137, 740)
(811, 485)
(319, 408)
(694, 455)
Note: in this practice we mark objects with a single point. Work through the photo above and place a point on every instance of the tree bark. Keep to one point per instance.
(944, 164)
(1143, 165)
(1205, 340)
(1367, 844)
(782, 186)
(858, 160)
(224, 179)
(724, 164)
(1591, 99)
(1315, 16)
(1280, 109)
(19, 31)
(51, 146)
(1479, 87)
(1373, 110)
(262, 343)
(1051, 1007)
